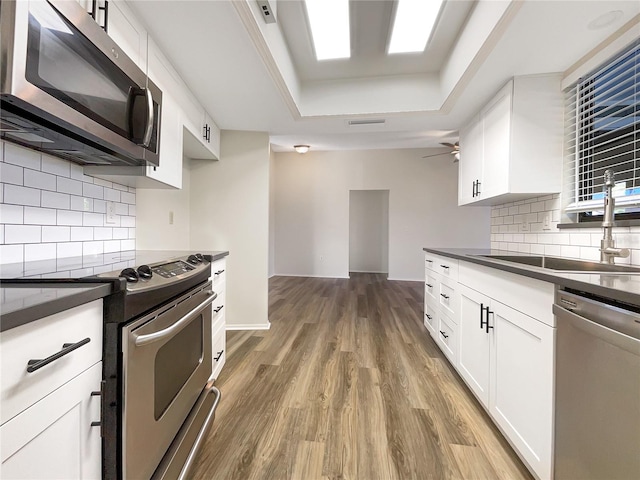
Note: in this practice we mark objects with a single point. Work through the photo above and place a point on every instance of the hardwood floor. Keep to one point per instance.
(347, 384)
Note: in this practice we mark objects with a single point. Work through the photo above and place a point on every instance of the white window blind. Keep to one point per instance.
(603, 132)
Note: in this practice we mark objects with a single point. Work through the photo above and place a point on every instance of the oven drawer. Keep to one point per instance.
(40, 340)
(219, 275)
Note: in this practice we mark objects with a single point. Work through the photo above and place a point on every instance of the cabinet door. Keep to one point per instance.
(522, 378)
(475, 342)
(169, 171)
(54, 439)
(496, 127)
(470, 164)
(213, 139)
(127, 33)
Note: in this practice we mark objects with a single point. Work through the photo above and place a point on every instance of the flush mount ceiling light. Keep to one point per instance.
(413, 24)
(605, 20)
(301, 148)
(329, 23)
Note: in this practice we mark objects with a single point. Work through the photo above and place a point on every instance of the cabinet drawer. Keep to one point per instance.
(432, 287)
(448, 338)
(218, 349)
(39, 340)
(218, 307)
(445, 266)
(430, 318)
(219, 275)
(449, 299)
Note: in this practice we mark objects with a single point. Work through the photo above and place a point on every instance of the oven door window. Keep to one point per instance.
(65, 64)
(175, 362)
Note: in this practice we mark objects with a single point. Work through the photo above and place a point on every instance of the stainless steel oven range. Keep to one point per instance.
(160, 403)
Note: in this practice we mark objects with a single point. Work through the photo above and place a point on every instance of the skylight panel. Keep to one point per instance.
(329, 23)
(413, 24)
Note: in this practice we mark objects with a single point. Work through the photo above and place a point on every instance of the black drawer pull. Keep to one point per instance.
(37, 364)
(445, 266)
(429, 316)
(429, 285)
(444, 334)
(95, 424)
(219, 272)
(217, 309)
(430, 261)
(446, 297)
(217, 359)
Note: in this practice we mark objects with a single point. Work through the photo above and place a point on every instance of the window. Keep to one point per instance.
(603, 132)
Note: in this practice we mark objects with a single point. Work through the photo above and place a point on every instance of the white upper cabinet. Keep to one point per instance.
(201, 134)
(512, 149)
(127, 32)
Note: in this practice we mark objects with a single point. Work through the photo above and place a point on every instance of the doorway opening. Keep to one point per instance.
(369, 231)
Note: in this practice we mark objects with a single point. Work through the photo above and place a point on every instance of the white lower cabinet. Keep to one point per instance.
(506, 359)
(54, 439)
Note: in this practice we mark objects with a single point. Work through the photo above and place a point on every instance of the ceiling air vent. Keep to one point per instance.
(373, 121)
(267, 12)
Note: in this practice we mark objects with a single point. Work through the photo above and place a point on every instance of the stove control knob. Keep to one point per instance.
(200, 257)
(145, 272)
(130, 275)
(193, 260)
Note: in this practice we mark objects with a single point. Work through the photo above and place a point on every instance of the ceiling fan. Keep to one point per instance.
(455, 151)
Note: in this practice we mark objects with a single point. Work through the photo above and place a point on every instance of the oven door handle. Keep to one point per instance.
(141, 340)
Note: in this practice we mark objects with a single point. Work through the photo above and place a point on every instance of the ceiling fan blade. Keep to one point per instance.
(450, 145)
(436, 155)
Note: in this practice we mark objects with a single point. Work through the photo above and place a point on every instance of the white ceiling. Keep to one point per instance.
(248, 79)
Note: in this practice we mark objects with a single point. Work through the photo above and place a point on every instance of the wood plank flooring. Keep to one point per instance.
(347, 384)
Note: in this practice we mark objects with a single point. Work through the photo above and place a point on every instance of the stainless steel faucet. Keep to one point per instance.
(608, 250)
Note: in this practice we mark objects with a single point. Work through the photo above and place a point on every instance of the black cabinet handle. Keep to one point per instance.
(95, 424)
(478, 188)
(445, 266)
(430, 261)
(37, 364)
(446, 297)
(105, 9)
(429, 316)
(473, 191)
(482, 316)
(444, 334)
(429, 285)
(217, 359)
(216, 310)
(219, 272)
(486, 325)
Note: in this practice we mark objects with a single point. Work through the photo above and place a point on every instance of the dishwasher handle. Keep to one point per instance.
(609, 334)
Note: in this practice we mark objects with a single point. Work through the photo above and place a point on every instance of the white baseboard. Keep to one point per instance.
(308, 276)
(367, 271)
(406, 279)
(249, 326)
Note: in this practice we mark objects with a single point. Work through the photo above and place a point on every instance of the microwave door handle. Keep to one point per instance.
(146, 140)
(141, 340)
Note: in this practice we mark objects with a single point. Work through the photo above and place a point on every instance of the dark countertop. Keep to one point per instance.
(620, 287)
(33, 290)
(21, 303)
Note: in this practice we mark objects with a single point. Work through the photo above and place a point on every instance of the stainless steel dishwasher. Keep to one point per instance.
(597, 416)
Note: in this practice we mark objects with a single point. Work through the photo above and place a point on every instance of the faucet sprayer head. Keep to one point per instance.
(609, 178)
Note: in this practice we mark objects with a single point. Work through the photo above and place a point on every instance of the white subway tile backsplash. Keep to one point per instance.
(570, 251)
(10, 173)
(100, 206)
(581, 239)
(102, 182)
(102, 233)
(526, 208)
(129, 198)
(39, 180)
(56, 200)
(11, 253)
(22, 234)
(70, 249)
(112, 195)
(69, 217)
(66, 185)
(555, 250)
(11, 214)
(122, 209)
(55, 165)
(77, 173)
(132, 210)
(93, 191)
(22, 156)
(81, 204)
(39, 216)
(112, 246)
(39, 251)
(92, 248)
(132, 233)
(120, 233)
(79, 234)
(17, 195)
(92, 219)
(1, 234)
(127, 221)
(56, 234)
(127, 245)
(537, 249)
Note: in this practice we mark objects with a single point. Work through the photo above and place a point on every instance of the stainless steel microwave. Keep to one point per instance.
(68, 90)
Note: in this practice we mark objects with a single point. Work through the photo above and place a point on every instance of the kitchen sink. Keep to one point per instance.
(564, 264)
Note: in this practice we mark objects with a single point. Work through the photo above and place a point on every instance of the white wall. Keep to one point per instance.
(312, 209)
(369, 231)
(230, 211)
(154, 207)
